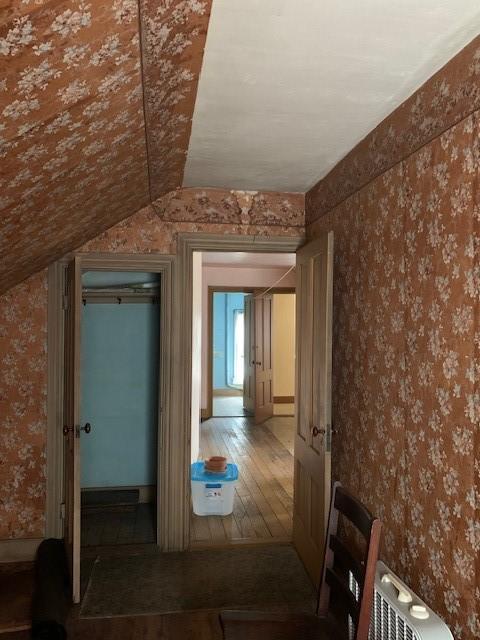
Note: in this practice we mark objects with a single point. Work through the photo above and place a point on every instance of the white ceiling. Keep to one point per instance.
(245, 259)
(289, 87)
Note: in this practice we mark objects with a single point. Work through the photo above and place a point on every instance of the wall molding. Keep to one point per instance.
(19, 549)
(283, 399)
(54, 465)
(447, 98)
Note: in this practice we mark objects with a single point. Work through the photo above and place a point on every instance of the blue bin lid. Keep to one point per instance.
(199, 474)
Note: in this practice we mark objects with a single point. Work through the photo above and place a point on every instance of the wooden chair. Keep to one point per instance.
(339, 614)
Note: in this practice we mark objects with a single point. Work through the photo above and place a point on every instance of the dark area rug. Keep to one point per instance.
(240, 577)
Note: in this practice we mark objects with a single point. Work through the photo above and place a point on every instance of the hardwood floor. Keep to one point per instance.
(263, 505)
(198, 625)
(230, 406)
(16, 587)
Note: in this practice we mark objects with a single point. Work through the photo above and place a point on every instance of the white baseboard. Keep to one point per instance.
(19, 549)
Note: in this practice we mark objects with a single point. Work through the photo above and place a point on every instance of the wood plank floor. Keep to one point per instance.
(197, 625)
(231, 406)
(263, 505)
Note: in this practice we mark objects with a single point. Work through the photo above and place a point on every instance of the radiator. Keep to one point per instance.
(398, 613)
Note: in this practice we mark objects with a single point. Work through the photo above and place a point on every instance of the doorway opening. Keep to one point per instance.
(227, 317)
(246, 385)
(119, 373)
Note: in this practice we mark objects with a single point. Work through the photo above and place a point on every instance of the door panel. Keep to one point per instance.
(263, 358)
(249, 355)
(73, 302)
(313, 390)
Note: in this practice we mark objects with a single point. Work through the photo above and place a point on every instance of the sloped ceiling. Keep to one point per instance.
(73, 144)
(97, 99)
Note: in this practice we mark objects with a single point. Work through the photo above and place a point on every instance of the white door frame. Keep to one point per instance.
(153, 263)
(179, 476)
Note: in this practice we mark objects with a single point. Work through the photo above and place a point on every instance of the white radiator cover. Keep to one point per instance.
(392, 619)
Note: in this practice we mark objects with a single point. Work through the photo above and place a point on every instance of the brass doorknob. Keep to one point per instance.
(316, 431)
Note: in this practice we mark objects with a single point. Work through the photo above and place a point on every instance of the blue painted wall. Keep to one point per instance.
(224, 305)
(119, 372)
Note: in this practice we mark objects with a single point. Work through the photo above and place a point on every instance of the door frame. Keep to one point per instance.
(188, 243)
(208, 412)
(153, 263)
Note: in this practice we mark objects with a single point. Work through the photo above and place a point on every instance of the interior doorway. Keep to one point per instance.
(119, 373)
(115, 317)
(248, 392)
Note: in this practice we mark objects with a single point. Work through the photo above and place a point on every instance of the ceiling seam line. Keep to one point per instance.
(142, 76)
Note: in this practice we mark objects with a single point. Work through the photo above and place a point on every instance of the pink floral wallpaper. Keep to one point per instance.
(406, 387)
(73, 132)
(23, 325)
(23, 386)
(173, 39)
(232, 207)
(449, 96)
(72, 142)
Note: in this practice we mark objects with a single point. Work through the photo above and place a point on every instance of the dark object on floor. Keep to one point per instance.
(336, 603)
(248, 576)
(51, 596)
(103, 498)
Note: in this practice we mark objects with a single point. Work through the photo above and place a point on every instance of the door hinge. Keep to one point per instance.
(62, 511)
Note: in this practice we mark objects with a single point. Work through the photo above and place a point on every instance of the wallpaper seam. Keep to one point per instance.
(390, 167)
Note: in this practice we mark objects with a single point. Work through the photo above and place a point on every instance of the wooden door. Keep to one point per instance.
(249, 355)
(313, 392)
(263, 358)
(73, 302)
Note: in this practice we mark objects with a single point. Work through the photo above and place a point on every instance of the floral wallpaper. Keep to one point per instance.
(173, 39)
(23, 326)
(406, 369)
(23, 382)
(73, 134)
(232, 207)
(444, 100)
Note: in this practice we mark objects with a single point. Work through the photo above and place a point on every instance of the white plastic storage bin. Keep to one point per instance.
(212, 493)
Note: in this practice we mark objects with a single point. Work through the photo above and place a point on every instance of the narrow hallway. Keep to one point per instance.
(263, 504)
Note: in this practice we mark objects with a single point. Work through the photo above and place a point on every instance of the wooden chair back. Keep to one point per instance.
(335, 596)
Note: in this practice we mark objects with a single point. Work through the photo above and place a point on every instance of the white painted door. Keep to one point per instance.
(313, 393)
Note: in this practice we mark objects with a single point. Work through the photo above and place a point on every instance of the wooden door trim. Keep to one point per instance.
(55, 366)
(179, 464)
(211, 290)
(208, 411)
(158, 263)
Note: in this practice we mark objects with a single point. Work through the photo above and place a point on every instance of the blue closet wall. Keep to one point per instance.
(119, 383)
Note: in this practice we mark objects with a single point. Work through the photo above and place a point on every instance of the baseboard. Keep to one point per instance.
(283, 399)
(146, 493)
(231, 391)
(19, 549)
